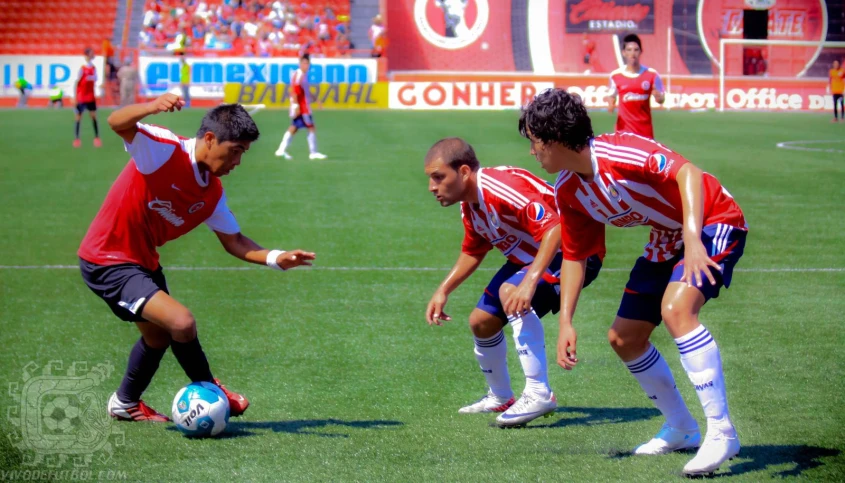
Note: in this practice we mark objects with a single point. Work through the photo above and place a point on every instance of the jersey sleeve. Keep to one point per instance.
(537, 217)
(223, 220)
(658, 83)
(151, 147)
(581, 236)
(474, 244)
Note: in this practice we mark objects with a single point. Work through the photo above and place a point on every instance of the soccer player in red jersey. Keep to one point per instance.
(169, 187)
(510, 209)
(634, 84)
(697, 236)
(86, 100)
(300, 112)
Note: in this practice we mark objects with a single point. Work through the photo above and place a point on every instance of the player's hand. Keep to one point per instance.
(434, 312)
(167, 103)
(697, 262)
(566, 341)
(295, 258)
(611, 103)
(519, 302)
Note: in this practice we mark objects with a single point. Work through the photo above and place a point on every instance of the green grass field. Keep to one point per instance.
(347, 381)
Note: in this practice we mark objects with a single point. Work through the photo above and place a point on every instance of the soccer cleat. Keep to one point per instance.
(718, 447)
(283, 154)
(490, 403)
(669, 439)
(317, 156)
(528, 408)
(77, 143)
(237, 403)
(98, 143)
(138, 411)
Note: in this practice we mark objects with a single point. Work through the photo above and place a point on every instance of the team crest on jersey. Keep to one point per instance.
(196, 207)
(536, 211)
(646, 85)
(494, 218)
(661, 162)
(613, 191)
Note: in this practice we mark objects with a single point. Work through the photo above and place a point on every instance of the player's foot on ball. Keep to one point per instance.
(137, 411)
(669, 439)
(718, 446)
(237, 403)
(490, 403)
(98, 143)
(528, 408)
(77, 143)
(283, 154)
(317, 156)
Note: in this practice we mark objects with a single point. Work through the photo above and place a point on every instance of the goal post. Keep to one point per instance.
(768, 43)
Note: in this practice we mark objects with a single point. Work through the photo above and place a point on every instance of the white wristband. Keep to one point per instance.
(271, 259)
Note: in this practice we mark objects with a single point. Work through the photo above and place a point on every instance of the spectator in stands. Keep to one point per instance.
(128, 76)
(378, 36)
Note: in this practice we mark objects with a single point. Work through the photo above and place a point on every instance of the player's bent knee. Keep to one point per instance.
(675, 312)
(626, 343)
(183, 327)
(484, 325)
(505, 290)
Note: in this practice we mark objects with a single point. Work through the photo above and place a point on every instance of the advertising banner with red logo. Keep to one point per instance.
(548, 37)
(597, 16)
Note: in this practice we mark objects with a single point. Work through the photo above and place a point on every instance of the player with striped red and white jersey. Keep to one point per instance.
(697, 236)
(512, 210)
(300, 112)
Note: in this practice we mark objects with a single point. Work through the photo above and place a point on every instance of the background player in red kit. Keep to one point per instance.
(510, 209)
(634, 84)
(300, 112)
(697, 236)
(86, 99)
(169, 187)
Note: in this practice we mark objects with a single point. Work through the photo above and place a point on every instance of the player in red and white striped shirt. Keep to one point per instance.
(512, 210)
(697, 236)
(300, 112)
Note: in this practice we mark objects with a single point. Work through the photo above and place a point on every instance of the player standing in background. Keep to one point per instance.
(836, 87)
(510, 209)
(167, 189)
(697, 236)
(300, 112)
(634, 84)
(86, 100)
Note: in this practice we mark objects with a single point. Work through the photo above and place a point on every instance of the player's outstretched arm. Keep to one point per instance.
(124, 120)
(691, 183)
(464, 267)
(242, 247)
(520, 300)
(572, 273)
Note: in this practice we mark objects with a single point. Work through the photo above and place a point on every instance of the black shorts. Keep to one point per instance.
(86, 106)
(126, 288)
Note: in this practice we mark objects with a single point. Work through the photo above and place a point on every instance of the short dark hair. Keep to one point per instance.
(557, 116)
(305, 56)
(455, 152)
(632, 38)
(229, 122)
(89, 51)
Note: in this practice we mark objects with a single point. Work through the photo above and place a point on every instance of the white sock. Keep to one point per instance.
(531, 347)
(654, 376)
(703, 363)
(312, 141)
(492, 356)
(285, 141)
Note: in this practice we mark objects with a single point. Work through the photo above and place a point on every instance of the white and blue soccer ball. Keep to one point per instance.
(200, 409)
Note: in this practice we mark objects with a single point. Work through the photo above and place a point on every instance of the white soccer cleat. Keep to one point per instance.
(283, 154)
(528, 408)
(317, 156)
(490, 403)
(669, 439)
(718, 447)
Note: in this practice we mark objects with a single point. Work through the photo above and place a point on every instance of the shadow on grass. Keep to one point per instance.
(760, 457)
(240, 429)
(574, 416)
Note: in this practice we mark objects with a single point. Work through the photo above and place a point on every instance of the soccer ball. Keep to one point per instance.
(200, 409)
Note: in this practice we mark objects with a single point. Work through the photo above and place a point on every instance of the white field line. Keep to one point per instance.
(799, 146)
(403, 269)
